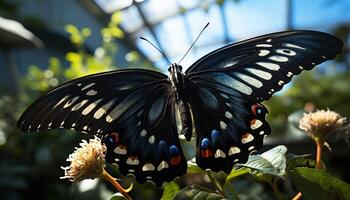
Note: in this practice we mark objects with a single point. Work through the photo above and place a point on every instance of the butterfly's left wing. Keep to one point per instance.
(260, 66)
(225, 88)
(132, 109)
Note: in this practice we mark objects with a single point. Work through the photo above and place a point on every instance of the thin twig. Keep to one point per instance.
(120, 188)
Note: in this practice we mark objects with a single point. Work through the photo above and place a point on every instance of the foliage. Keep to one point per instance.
(170, 190)
(197, 192)
(310, 89)
(308, 181)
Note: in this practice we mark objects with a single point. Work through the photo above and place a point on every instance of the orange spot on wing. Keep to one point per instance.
(254, 107)
(175, 160)
(206, 153)
(115, 137)
(246, 135)
(133, 157)
(253, 121)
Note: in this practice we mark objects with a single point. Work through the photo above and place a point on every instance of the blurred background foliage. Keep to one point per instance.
(30, 163)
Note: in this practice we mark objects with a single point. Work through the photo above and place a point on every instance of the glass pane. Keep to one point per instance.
(188, 4)
(145, 47)
(197, 20)
(173, 36)
(109, 6)
(131, 19)
(157, 10)
(323, 13)
(251, 18)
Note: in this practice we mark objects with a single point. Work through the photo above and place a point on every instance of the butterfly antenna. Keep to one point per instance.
(142, 38)
(194, 42)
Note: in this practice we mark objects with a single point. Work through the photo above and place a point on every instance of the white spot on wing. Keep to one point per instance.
(131, 161)
(263, 45)
(70, 102)
(251, 148)
(143, 132)
(119, 150)
(256, 124)
(219, 154)
(294, 46)
(286, 52)
(223, 125)
(260, 73)
(233, 150)
(91, 93)
(87, 86)
(89, 108)
(263, 52)
(148, 167)
(231, 82)
(247, 138)
(224, 95)
(278, 58)
(280, 82)
(101, 111)
(162, 165)
(98, 114)
(151, 139)
(250, 80)
(271, 66)
(268, 40)
(79, 105)
(228, 115)
(289, 74)
(63, 99)
(109, 119)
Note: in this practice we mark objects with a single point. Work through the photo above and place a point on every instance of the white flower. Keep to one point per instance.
(87, 161)
(321, 123)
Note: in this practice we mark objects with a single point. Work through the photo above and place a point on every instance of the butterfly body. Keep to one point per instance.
(178, 81)
(141, 113)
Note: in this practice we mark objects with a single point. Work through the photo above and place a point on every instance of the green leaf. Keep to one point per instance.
(235, 173)
(294, 161)
(196, 192)
(271, 162)
(229, 191)
(193, 168)
(170, 190)
(317, 184)
(117, 196)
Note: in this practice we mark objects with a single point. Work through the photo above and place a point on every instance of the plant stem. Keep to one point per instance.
(298, 196)
(319, 149)
(214, 181)
(319, 145)
(273, 184)
(120, 188)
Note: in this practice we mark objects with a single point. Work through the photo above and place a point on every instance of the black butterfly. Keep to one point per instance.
(140, 113)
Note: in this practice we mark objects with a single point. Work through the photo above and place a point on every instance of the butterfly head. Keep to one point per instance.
(175, 68)
(176, 75)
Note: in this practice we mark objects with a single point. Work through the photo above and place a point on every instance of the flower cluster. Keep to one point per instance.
(87, 162)
(321, 123)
